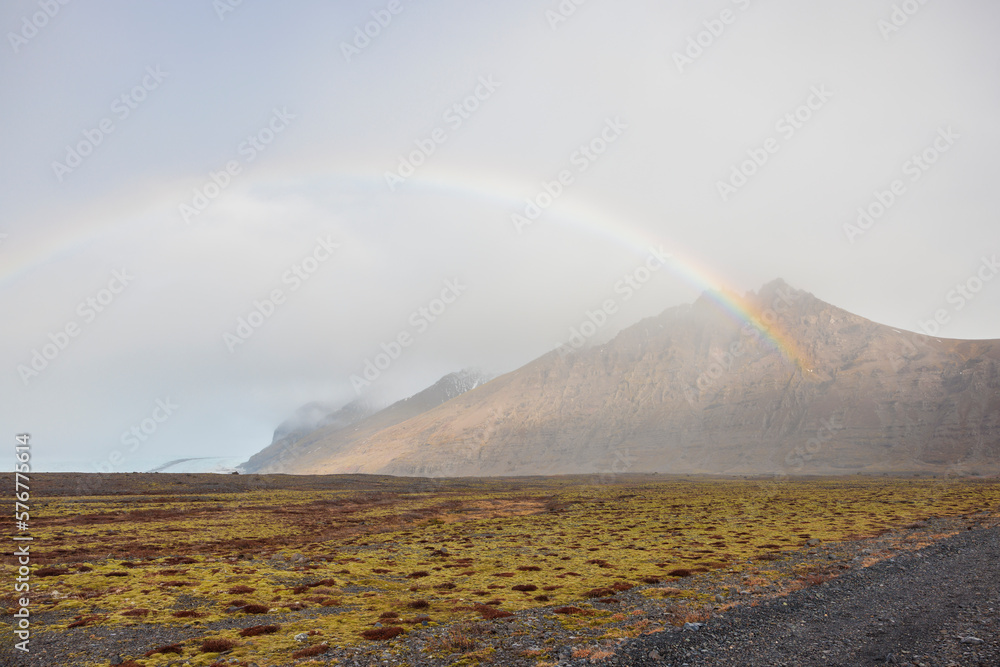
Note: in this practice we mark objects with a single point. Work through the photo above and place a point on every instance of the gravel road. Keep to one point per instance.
(938, 607)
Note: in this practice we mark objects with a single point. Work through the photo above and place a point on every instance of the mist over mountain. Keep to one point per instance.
(295, 438)
(695, 390)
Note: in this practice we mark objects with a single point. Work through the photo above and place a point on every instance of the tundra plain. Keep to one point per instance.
(161, 569)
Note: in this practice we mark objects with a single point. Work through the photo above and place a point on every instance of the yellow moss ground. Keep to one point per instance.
(448, 553)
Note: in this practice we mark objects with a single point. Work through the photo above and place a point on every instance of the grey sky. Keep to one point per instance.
(198, 84)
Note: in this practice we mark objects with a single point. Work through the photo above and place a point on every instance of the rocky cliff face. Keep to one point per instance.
(693, 390)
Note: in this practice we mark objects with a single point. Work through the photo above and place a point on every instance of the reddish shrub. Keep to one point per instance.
(217, 645)
(116, 574)
(179, 560)
(255, 609)
(255, 630)
(136, 612)
(489, 613)
(679, 572)
(169, 648)
(311, 651)
(50, 572)
(622, 586)
(81, 621)
(381, 634)
(388, 614)
(524, 587)
(415, 620)
(419, 604)
(567, 610)
(237, 590)
(418, 574)
(529, 568)
(599, 593)
(187, 613)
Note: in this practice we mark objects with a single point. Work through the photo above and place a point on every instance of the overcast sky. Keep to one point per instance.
(170, 168)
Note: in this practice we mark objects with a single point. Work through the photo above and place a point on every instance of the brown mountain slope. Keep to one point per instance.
(692, 391)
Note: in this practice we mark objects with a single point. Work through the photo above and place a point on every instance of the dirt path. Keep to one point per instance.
(911, 609)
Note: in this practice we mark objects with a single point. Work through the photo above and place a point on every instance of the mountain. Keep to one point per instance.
(316, 431)
(306, 420)
(697, 390)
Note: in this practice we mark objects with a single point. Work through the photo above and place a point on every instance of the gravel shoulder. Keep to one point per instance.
(938, 606)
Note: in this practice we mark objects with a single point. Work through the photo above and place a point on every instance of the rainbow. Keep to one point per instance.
(570, 212)
(587, 217)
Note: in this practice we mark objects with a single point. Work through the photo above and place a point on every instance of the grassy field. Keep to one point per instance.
(355, 560)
